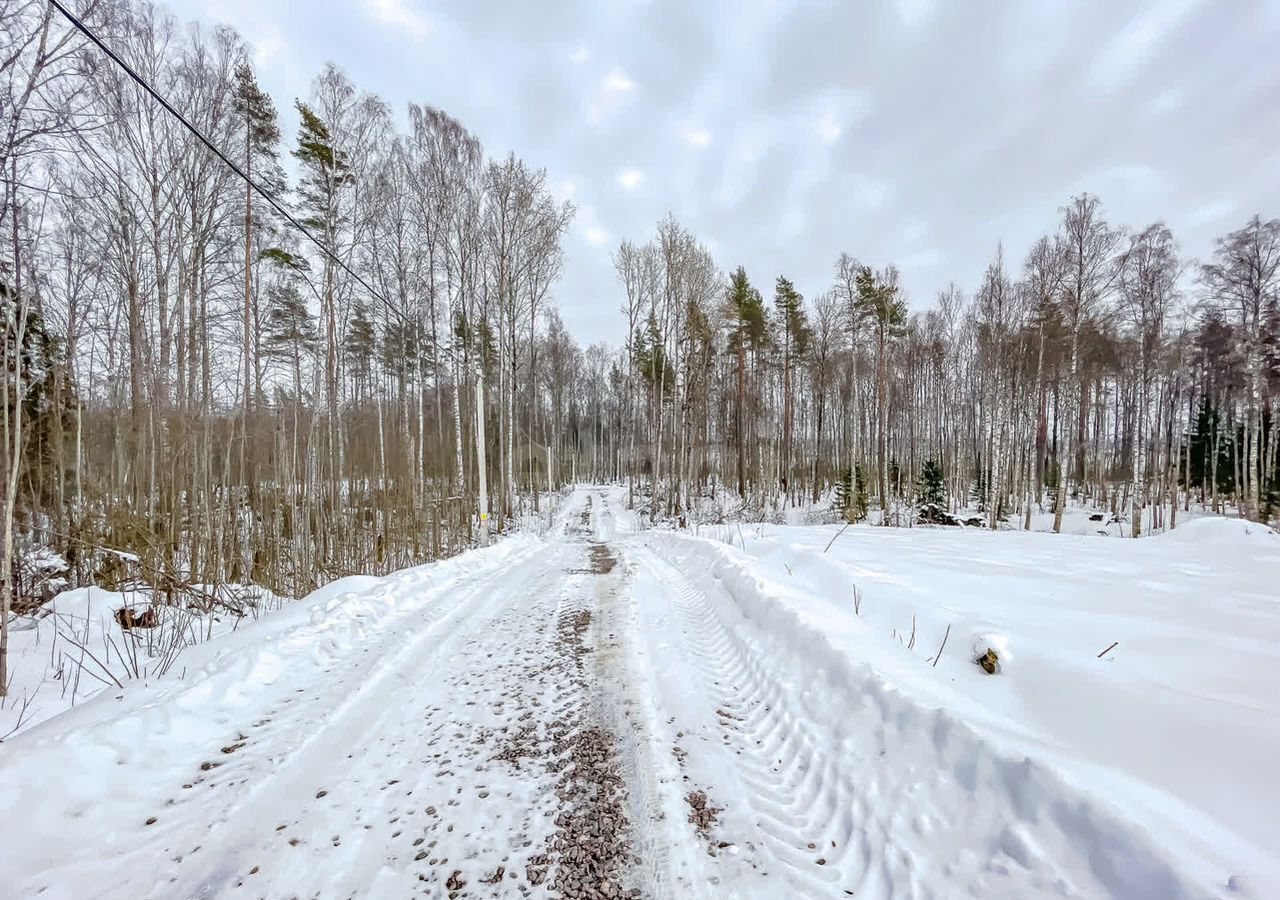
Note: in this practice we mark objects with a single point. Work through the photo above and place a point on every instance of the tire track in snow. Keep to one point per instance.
(482, 744)
(190, 756)
(896, 800)
(363, 708)
(768, 748)
(670, 864)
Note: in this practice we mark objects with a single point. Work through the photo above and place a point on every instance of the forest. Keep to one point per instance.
(197, 391)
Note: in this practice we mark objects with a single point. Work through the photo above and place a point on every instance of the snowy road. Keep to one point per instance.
(588, 715)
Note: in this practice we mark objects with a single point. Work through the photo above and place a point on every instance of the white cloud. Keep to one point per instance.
(268, 48)
(915, 231)
(612, 94)
(1167, 102)
(913, 12)
(1125, 178)
(921, 259)
(828, 128)
(596, 235)
(630, 178)
(871, 194)
(1137, 43)
(1211, 212)
(617, 82)
(564, 188)
(580, 55)
(743, 152)
(696, 136)
(400, 14)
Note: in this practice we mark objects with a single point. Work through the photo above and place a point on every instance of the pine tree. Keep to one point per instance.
(324, 171)
(878, 303)
(261, 137)
(795, 340)
(746, 319)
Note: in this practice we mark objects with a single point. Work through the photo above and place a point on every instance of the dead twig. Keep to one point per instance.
(943, 647)
(22, 714)
(87, 652)
(833, 539)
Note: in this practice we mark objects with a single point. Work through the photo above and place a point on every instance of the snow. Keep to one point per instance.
(1176, 729)
(72, 648)
(349, 743)
(124, 756)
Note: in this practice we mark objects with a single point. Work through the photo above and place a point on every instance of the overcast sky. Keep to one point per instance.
(916, 132)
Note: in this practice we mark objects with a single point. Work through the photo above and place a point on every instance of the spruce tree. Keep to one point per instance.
(850, 498)
(359, 346)
(291, 331)
(932, 489)
(931, 493)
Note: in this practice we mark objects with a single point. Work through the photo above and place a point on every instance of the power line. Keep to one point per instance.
(142, 82)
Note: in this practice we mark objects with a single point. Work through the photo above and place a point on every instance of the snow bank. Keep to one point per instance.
(98, 748)
(72, 647)
(1232, 534)
(1176, 729)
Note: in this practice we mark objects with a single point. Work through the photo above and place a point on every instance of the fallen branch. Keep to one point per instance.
(1108, 650)
(833, 539)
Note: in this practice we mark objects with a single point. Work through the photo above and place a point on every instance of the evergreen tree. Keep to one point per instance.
(978, 493)
(324, 172)
(794, 327)
(879, 305)
(323, 169)
(851, 495)
(652, 360)
(1211, 437)
(359, 347)
(262, 131)
(931, 488)
(291, 331)
(931, 496)
(48, 404)
(746, 317)
(261, 163)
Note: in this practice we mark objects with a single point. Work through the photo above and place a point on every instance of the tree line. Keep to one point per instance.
(1105, 367)
(196, 392)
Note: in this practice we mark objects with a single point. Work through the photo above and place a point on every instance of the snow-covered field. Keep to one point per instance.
(498, 723)
(1175, 729)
